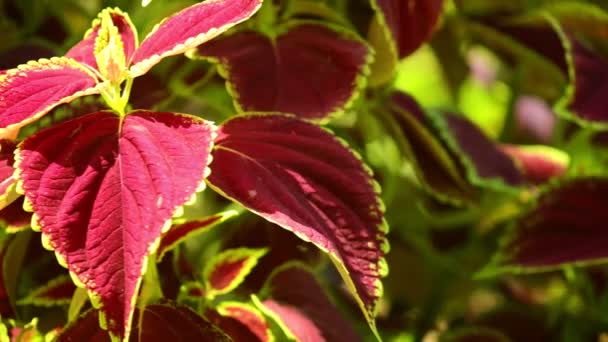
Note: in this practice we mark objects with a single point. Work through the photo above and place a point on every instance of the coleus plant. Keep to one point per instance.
(103, 187)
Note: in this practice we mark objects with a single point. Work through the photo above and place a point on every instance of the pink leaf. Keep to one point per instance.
(410, 23)
(310, 70)
(302, 178)
(241, 321)
(83, 51)
(189, 28)
(539, 164)
(180, 232)
(103, 189)
(225, 271)
(302, 309)
(31, 90)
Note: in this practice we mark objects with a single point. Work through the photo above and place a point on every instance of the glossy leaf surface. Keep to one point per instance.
(305, 180)
(189, 28)
(103, 199)
(31, 90)
(310, 70)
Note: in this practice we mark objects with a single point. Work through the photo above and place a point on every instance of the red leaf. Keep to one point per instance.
(310, 70)
(83, 51)
(58, 291)
(242, 322)
(13, 218)
(189, 28)
(160, 322)
(180, 232)
(104, 197)
(539, 164)
(300, 306)
(565, 227)
(410, 23)
(225, 271)
(31, 90)
(302, 178)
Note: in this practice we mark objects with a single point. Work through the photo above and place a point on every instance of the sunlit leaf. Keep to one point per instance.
(564, 227)
(104, 197)
(58, 291)
(226, 270)
(294, 299)
(31, 90)
(180, 232)
(84, 51)
(189, 28)
(305, 180)
(309, 70)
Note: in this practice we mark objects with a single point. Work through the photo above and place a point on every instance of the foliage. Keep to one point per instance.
(483, 122)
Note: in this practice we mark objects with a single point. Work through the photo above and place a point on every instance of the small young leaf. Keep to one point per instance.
(84, 51)
(180, 232)
(31, 90)
(227, 270)
(300, 306)
(189, 28)
(58, 291)
(310, 70)
(242, 322)
(305, 180)
(566, 226)
(539, 164)
(103, 198)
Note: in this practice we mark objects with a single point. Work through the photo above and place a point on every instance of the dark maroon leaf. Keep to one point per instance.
(58, 291)
(298, 301)
(309, 70)
(564, 227)
(303, 179)
(13, 218)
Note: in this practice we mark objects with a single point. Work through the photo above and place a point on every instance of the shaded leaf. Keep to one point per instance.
(242, 322)
(31, 90)
(189, 28)
(159, 322)
(309, 70)
(473, 334)
(13, 218)
(103, 199)
(7, 181)
(538, 163)
(299, 305)
(84, 51)
(564, 227)
(305, 180)
(227, 270)
(58, 291)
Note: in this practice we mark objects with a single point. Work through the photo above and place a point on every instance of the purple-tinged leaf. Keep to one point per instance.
(159, 322)
(31, 90)
(590, 88)
(103, 199)
(539, 163)
(242, 322)
(564, 227)
(485, 163)
(7, 181)
(189, 28)
(58, 291)
(304, 179)
(84, 51)
(180, 232)
(436, 167)
(13, 218)
(296, 301)
(409, 23)
(309, 70)
(227, 270)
